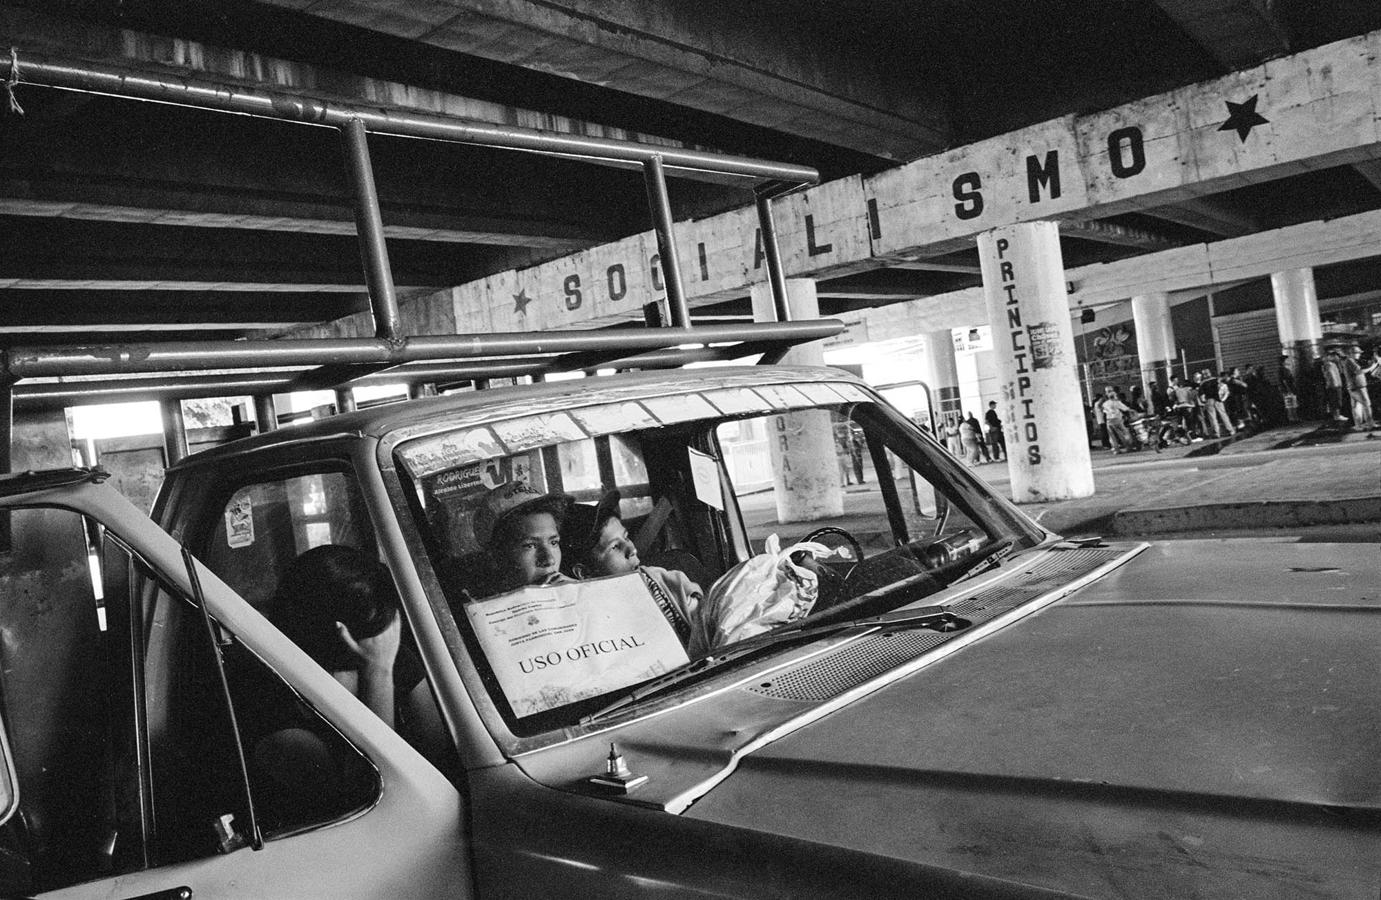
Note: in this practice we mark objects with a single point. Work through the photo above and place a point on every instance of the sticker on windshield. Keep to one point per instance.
(821, 394)
(239, 522)
(535, 431)
(705, 474)
(784, 396)
(614, 417)
(680, 408)
(852, 393)
(550, 646)
(738, 400)
(447, 451)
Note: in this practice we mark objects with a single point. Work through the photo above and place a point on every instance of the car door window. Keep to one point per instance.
(264, 524)
(119, 727)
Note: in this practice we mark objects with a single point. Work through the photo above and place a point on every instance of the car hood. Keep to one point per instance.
(1202, 721)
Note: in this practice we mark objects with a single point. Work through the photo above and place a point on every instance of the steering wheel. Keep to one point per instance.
(832, 579)
(828, 530)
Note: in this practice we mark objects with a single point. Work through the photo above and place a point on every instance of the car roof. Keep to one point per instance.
(505, 402)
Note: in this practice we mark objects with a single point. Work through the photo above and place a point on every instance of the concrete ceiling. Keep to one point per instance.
(138, 221)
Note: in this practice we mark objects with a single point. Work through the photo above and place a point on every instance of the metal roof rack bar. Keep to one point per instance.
(188, 356)
(91, 390)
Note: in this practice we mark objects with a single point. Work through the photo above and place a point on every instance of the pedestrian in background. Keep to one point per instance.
(1355, 378)
(1100, 421)
(952, 441)
(979, 436)
(1211, 393)
(997, 441)
(1115, 415)
(968, 437)
(1335, 394)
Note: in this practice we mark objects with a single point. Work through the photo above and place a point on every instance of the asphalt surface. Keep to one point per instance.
(1306, 480)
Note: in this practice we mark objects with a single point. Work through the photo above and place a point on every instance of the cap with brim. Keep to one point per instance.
(512, 499)
(583, 524)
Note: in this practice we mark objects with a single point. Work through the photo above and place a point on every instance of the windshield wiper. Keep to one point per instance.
(791, 634)
(987, 560)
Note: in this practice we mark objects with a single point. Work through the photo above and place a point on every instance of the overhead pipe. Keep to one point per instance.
(119, 81)
(654, 173)
(185, 356)
(369, 225)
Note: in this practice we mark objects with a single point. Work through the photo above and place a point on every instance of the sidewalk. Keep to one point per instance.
(1295, 476)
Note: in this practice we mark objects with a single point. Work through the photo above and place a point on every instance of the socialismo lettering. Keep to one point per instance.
(1125, 158)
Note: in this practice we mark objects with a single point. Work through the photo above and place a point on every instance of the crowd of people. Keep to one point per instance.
(1333, 388)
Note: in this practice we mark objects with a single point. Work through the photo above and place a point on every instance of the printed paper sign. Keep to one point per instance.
(239, 522)
(705, 474)
(558, 644)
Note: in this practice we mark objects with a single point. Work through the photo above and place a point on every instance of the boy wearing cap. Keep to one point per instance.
(596, 544)
(520, 530)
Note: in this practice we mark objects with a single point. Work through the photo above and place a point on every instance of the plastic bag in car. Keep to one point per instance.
(761, 593)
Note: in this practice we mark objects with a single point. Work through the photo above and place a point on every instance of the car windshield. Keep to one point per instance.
(588, 551)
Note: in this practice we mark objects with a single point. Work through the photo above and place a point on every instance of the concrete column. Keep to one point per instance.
(1155, 338)
(1297, 316)
(940, 374)
(1033, 341)
(805, 473)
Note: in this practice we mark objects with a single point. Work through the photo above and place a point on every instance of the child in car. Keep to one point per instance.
(595, 543)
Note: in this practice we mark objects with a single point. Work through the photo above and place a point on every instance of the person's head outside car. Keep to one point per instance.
(595, 540)
(519, 528)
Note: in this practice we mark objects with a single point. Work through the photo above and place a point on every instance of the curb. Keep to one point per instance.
(1254, 514)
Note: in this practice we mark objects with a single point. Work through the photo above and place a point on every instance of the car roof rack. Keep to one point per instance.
(92, 374)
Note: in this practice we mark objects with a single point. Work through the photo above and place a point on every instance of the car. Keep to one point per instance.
(889, 685)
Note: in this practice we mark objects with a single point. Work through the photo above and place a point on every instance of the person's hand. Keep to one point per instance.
(376, 653)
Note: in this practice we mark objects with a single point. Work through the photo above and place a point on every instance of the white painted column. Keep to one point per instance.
(940, 372)
(1297, 316)
(1033, 341)
(1155, 338)
(805, 472)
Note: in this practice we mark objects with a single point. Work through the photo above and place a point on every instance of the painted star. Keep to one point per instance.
(1243, 117)
(520, 302)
